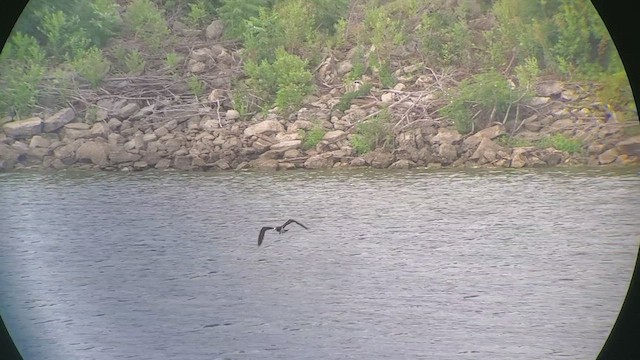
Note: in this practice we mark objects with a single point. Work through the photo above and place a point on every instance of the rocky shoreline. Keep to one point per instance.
(123, 136)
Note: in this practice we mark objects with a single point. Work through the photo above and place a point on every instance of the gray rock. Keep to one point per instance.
(630, 146)
(114, 124)
(539, 100)
(264, 164)
(128, 110)
(99, 129)
(214, 30)
(448, 153)
(486, 152)
(550, 88)
(286, 145)
(196, 67)
(73, 131)
(300, 124)
(120, 155)
(94, 152)
(163, 164)
(161, 131)
(232, 114)
(183, 162)
(66, 153)
(202, 55)
(264, 127)
(402, 164)
(518, 158)
(608, 156)
(359, 161)
(222, 164)
(58, 120)
(344, 67)
(39, 141)
(23, 128)
(446, 136)
(333, 136)
(319, 161)
(379, 158)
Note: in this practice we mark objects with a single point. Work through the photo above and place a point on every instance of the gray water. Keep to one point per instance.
(529, 264)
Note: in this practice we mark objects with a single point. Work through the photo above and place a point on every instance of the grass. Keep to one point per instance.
(313, 137)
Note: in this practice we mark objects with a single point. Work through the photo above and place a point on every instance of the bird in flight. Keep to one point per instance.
(279, 229)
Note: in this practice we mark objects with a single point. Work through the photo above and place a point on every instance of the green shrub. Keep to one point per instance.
(134, 62)
(65, 37)
(172, 62)
(196, 86)
(444, 44)
(91, 65)
(236, 13)
(373, 133)
(562, 143)
(347, 98)
(487, 94)
(284, 83)
(198, 14)
(148, 23)
(313, 137)
(21, 71)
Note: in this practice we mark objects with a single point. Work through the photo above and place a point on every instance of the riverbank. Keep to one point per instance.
(126, 136)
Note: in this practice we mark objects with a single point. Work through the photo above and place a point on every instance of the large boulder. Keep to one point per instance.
(446, 136)
(264, 127)
(264, 164)
(333, 136)
(630, 146)
(379, 159)
(74, 131)
(486, 152)
(286, 145)
(58, 120)
(23, 128)
(319, 161)
(94, 152)
(118, 155)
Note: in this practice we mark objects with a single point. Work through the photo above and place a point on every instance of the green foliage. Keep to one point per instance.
(91, 65)
(359, 65)
(236, 13)
(616, 92)
(328, 13)
(485, 94)
(196, 86)
(172, 61)
(347, 98)
(562, 143)
(134, 62)
(442, 43)
(385, 76)
(509, 141)
(148, 23)
(199, 14)
(65, 37)
(285, 82)
(21, 71)
(373, 133)
(313, 137)
(382, 31)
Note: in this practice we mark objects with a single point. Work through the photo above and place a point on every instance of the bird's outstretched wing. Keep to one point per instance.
(262, 231)
(293, 221)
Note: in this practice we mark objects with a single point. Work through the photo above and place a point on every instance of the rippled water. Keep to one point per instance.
(414, 264)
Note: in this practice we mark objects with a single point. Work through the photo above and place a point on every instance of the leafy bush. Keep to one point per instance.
(313, 137)
(236, 13)
(147, 22)
(285, 82)
(21, 71)
(373, 133)
(134, 62)
(196, 86)
(487, 95)
(65, 37)
(562, 143)
(91, 65)
(347, 98)
(172, 61)
(198, 14)
(442, 43)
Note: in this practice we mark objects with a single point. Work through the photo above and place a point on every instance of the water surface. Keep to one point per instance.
(476, 264)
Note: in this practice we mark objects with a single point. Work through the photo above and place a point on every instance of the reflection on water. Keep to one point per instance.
(424, 265)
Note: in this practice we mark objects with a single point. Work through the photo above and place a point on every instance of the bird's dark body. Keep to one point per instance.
(280, 229)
